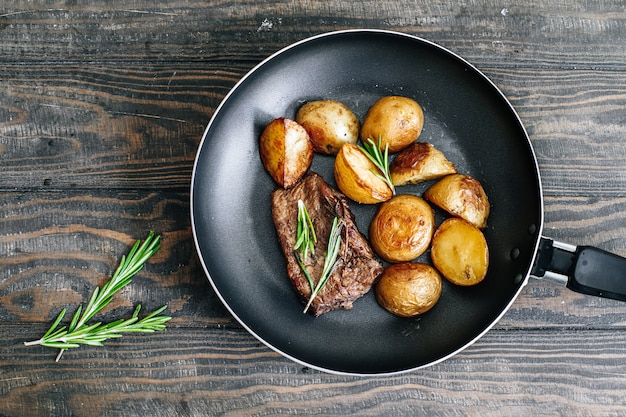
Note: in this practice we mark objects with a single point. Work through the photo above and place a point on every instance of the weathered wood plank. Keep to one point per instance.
(213, 371)
(92, 127)
(538, 34)
(70, 127)
(58, 245)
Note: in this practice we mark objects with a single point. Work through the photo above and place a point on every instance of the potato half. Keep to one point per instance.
(286, 151)
(329, 124)
(354, 174)
(402, 228)
(397, 120)
(459, 251)
(462, 196)
(408, 289)
(419, 162)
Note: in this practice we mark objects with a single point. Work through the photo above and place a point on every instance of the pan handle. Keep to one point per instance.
(583, 269)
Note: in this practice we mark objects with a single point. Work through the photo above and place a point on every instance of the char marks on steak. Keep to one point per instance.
(356, 269)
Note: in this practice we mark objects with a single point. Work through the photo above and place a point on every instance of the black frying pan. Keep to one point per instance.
(466, 117)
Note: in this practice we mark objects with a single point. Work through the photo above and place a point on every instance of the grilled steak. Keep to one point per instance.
(356, 269)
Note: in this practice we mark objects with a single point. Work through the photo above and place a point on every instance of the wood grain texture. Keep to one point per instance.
(58, 245)
(531, 33)
(224, 372)
(103, 127)
(82, 129)
(102, 107)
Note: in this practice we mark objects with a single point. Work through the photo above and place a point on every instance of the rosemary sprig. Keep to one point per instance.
(330, 259)
(305, 242)
(80, 333)
(305, 233)
(380, 158)
(305, 239)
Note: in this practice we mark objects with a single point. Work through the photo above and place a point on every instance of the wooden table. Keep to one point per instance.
(102, 107)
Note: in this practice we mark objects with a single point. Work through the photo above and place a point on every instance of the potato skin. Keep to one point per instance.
(402, 228)
(329, 124)
(461, 196)
(354, 175)
(286, 151)
(459, 252)
(419, 162)
(397, 120)
(408, 289)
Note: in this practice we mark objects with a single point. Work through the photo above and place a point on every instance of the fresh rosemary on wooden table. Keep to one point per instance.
(79, 332)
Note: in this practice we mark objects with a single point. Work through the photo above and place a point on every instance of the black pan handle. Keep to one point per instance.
(583, 269)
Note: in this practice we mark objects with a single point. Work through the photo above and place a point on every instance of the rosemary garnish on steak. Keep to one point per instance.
(305, 242)
(332, 252)
(305, 233)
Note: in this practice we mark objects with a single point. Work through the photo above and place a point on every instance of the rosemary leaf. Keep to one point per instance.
(61, 345)
(76, 316)
(380, 159)
(332, 253)
(305, 233)
(56, 323)
(304, 270)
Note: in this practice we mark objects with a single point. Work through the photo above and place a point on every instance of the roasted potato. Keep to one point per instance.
(419, 162)
(408, 289)
(286, 151)
(459, 251)
(354, 174)
(402, 228)
(396, 120)
(461, 196)
(329, 124)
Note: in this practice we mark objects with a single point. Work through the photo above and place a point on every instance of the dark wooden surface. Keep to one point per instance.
(102, 107)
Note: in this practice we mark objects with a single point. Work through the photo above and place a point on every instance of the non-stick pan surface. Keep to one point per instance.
(466, 117)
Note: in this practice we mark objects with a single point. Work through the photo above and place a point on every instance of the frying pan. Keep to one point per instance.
(466, 117)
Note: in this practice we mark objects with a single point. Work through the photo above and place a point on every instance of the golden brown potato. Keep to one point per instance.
(329, 124)
(408, 289)
(402, 228)
(286, 151)
(354, 174)
(398, 121)
(419, 162)
(461, 196)
(459, 251)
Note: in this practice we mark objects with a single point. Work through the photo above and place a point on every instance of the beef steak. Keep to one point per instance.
(356, 269)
